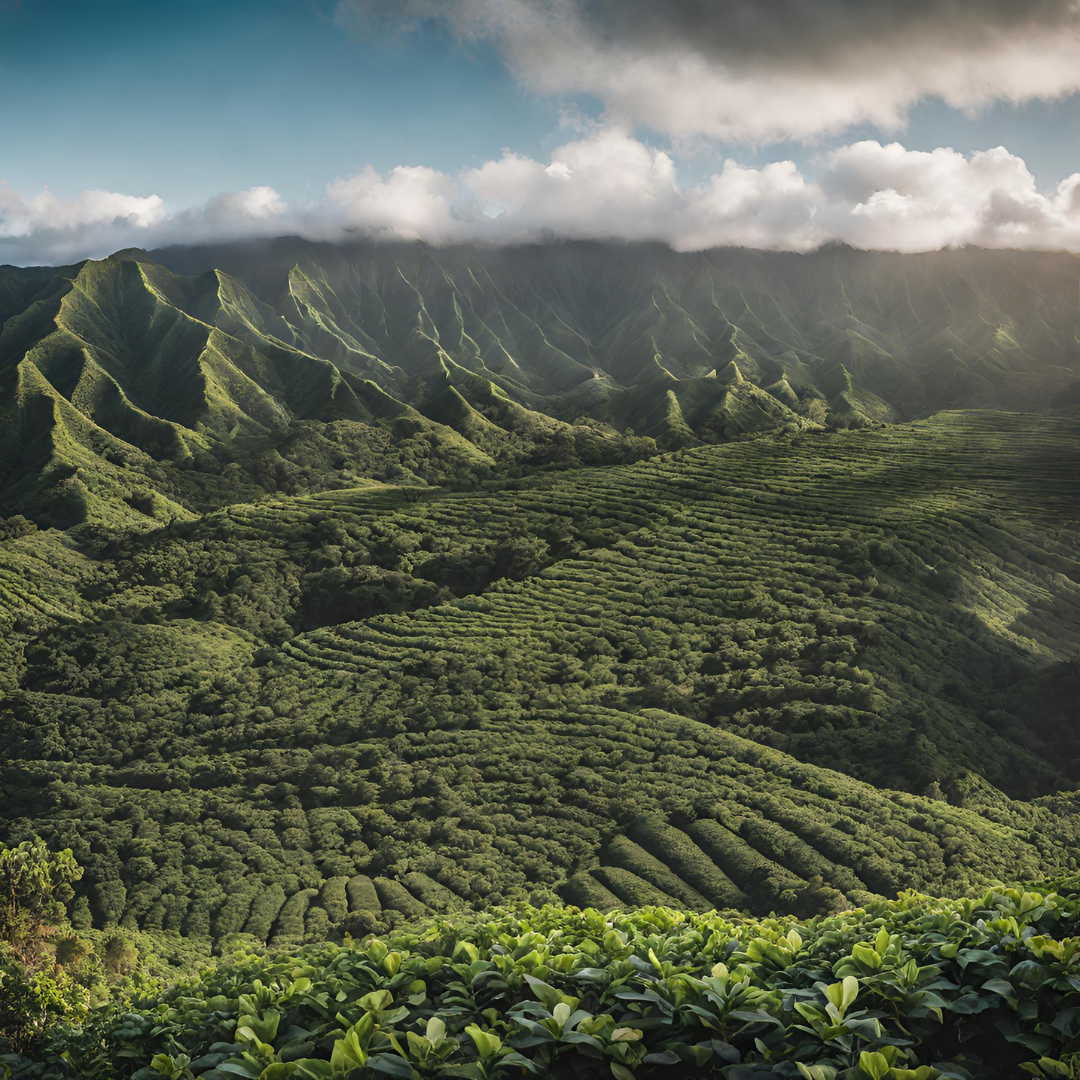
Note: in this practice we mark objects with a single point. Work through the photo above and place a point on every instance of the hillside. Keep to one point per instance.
(798, 670)
(131, 395)
(355, 590)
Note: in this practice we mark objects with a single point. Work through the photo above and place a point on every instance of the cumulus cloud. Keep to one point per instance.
(764, 70)
(410, 202)
(772, 207)
(46, 224)
(606, 185)
(48, 229)
(255, 204)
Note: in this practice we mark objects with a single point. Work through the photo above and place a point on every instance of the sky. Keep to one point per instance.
(892, 124)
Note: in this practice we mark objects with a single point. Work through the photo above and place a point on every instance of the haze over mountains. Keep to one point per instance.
(149, 386)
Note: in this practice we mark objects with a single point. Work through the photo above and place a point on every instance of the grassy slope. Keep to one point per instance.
(121, 363)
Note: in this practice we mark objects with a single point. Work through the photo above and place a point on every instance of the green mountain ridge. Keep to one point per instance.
(121, 361)
(206, 357)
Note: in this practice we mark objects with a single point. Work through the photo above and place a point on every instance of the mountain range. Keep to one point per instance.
(151, 386)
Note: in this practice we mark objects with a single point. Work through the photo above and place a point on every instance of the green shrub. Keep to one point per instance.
(698, 867)
(362, 895)
(985, 987)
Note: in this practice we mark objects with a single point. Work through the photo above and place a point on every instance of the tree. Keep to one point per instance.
(119, 956)
(35, 885)
(35, 993)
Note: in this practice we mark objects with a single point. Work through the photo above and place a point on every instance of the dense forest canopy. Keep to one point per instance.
(835, 658)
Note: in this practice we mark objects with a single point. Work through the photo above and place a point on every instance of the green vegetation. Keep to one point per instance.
(143, 389)
(911, 989)
(784, 674)
(55, 969)
(34, 883)
(345, 591)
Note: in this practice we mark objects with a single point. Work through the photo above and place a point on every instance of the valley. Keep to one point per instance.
(770, 653)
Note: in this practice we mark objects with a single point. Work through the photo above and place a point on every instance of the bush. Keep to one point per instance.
(559, 992)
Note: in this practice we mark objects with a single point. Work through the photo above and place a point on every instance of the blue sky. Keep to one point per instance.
(187, 99)
(237, 117)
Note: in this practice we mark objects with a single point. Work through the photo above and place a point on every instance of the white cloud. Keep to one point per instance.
(765, 70)
(27, 224)
(410, 202)
(605, 185)
(255, 204)
(46, 228)
(771, 207)
(878, 196)
(608, 184)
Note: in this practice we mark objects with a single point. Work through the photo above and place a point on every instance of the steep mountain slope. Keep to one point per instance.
(146, 386)
(869, 335)
(129, 391)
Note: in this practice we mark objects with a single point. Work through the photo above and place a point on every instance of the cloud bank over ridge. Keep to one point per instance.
(763, 70)
(607, 185)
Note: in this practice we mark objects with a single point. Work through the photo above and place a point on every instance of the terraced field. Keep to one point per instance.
(791, 673)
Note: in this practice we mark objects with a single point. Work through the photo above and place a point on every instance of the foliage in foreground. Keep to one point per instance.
(910, 989)
(52, 972)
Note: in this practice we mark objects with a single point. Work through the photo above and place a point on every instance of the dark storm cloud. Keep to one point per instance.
(809, 31)
(765, 69)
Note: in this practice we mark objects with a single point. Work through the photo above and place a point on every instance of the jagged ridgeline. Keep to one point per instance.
(149, 387)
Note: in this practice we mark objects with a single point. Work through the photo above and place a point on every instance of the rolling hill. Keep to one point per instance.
(799, 669)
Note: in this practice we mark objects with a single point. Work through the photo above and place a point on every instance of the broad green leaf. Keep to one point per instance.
(487, 1044)
(377, 1001)
(850, 992)
(874, 1065)
(279, 1070)
(312, 1069)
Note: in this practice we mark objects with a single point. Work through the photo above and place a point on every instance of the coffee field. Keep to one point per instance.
(909, 989)
(471, 663)
(791, 673)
